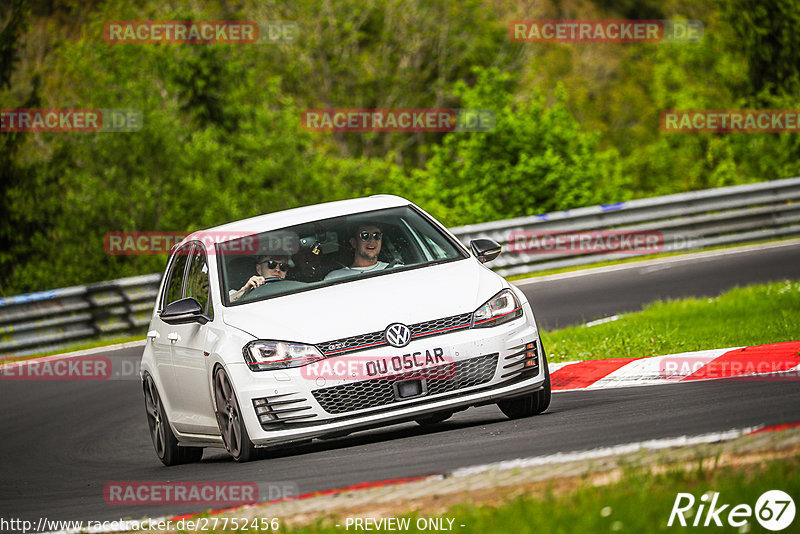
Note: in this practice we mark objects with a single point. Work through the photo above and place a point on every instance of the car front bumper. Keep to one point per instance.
(488, 365)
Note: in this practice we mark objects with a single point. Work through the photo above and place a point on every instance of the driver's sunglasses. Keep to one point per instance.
(366, 235)
(271, 264)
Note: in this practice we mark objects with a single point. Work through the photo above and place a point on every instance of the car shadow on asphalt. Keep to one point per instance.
(463, 421)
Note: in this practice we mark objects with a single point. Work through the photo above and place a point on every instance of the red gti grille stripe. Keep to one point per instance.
(441, 330)
(356, 348)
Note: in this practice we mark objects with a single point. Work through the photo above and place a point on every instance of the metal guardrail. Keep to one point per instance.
(685, 221)
(54, 319)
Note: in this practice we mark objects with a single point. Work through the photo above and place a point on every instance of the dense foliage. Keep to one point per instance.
(577, 124)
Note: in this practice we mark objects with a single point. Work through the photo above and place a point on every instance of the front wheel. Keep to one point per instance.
(164, 441)
(229, 418)
(532, 404)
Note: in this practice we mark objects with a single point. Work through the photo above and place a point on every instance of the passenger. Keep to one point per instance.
(270, 268)
(366, 242)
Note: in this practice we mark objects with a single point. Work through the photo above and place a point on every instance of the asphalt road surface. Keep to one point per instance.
(62, 441)
(575, 298)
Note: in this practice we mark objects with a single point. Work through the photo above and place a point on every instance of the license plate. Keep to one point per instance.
(417, 363)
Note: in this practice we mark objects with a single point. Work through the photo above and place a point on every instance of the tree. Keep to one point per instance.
(537, 159)
(769, 40)
(12, 173)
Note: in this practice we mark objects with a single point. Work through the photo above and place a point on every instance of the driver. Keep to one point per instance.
(270, 268)
(366, 242)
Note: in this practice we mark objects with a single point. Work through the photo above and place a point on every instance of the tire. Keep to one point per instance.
(434, 419)
(532, 404)
(164, 441)
(229, 418)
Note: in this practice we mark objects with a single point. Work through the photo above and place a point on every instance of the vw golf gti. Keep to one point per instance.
(320, 321)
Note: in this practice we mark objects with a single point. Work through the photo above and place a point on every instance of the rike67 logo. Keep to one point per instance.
(774, 510)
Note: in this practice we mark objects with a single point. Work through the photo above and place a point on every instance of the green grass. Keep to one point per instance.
(639, 503)
(635, 259)
(752, 315)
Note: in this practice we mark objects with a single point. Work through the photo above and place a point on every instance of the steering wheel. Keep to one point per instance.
(394, 263)
(262, 290)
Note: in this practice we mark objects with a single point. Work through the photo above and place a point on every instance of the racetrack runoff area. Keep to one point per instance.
(688, 461)
(500, 497)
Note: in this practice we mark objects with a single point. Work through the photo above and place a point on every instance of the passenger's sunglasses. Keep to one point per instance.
(366, 235)
(271, 264)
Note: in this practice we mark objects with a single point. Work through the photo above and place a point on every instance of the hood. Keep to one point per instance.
(369, 305)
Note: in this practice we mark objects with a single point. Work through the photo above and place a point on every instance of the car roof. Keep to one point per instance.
(290, 217)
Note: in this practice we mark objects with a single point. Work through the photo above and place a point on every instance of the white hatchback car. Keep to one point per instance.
(320, 321)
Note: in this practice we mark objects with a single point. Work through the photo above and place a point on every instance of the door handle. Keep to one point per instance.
(173, 336)
(152, 335)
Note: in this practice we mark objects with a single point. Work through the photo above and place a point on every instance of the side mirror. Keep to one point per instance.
(485, 249)
(183, 311)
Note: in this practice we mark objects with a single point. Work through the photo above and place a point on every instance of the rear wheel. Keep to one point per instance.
(164, 441)
(532, 404)
(229, 418)
(433, 419)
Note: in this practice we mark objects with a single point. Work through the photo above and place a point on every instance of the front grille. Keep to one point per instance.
(468, 373)
(376, 339)
(370, 393)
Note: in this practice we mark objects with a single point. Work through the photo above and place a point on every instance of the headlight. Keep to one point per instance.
(268, 355)
(499, 309)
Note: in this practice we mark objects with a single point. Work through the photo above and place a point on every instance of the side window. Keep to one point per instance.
(174, 285)
(197, 278)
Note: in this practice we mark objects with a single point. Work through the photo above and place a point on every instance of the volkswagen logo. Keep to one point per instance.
(397, 335)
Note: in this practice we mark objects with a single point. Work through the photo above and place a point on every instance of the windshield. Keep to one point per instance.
(330, 251)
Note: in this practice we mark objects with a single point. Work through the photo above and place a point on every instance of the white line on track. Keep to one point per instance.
(601, 321)
(604, 452)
